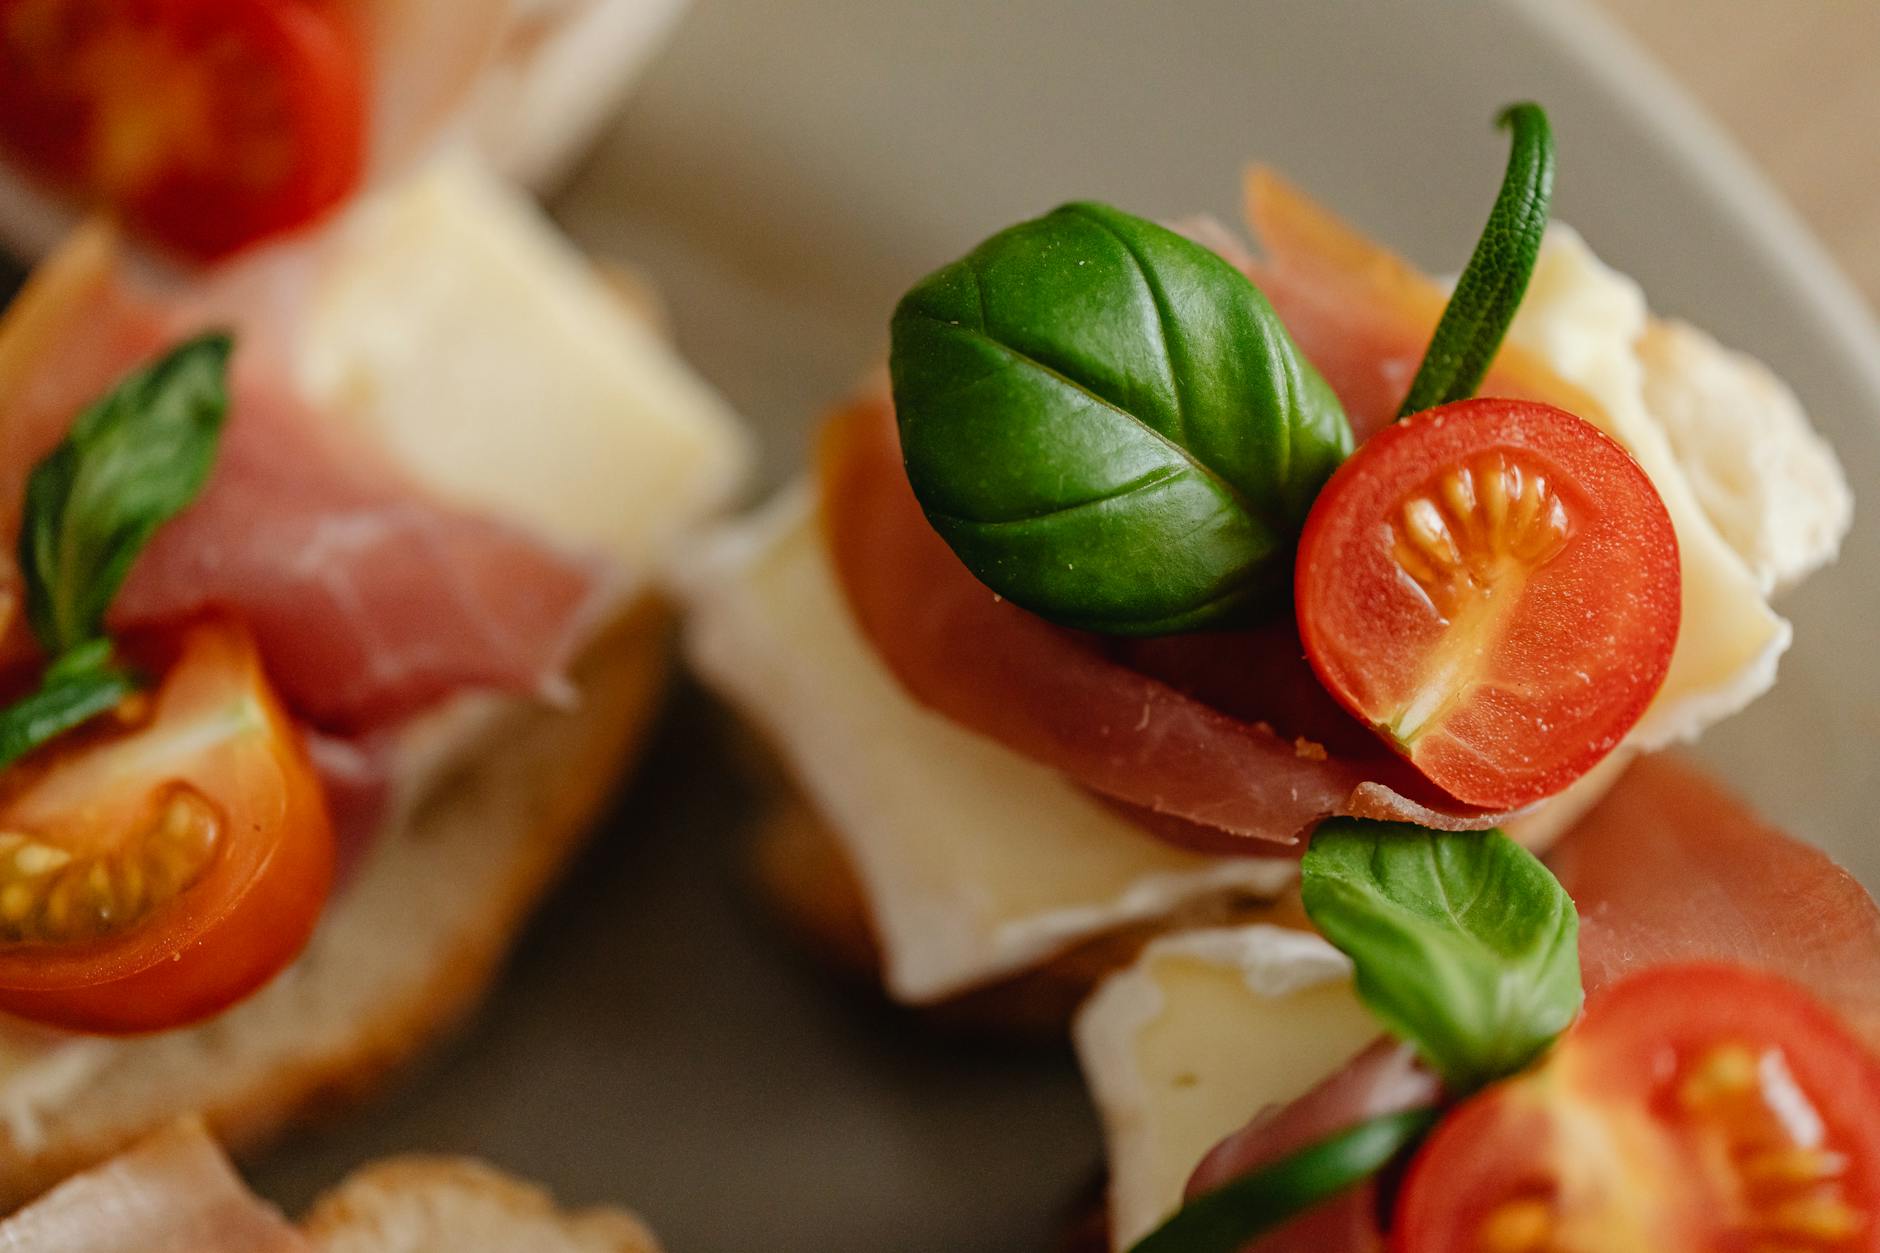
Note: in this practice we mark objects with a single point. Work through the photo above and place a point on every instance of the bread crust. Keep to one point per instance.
(529, 792)
(459, 1205)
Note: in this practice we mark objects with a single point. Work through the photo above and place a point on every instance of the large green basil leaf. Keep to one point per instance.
(1109, 424)
(131, 462)
(1463, 943)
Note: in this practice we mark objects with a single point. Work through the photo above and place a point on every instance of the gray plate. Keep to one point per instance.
(786, 171)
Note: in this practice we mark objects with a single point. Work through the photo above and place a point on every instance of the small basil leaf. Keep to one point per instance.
(1223, 1220)
(1463, 943)
(132, 461)
(1491, 287)
(1109, 424)
(76, 689)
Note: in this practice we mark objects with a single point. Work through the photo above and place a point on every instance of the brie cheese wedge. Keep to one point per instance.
(1206, 1029)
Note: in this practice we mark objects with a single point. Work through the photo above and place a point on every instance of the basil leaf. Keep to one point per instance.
(1222, 1221)
(1109, 424)
(1464, 943)
(132, 461)
(1491, 287)
(77, 688)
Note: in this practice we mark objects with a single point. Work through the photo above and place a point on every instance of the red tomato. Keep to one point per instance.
(1494, 587)
(207, 124)
(1695, 1109)
(154, 873)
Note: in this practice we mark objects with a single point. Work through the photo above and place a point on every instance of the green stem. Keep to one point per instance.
(1225, 1219)
(1490, 289)
(77, 687)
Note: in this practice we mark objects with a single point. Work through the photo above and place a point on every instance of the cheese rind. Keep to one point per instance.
(1203, 1031)
(1769, 483)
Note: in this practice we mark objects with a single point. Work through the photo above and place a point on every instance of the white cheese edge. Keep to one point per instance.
(1147, 1172)
(934, 944)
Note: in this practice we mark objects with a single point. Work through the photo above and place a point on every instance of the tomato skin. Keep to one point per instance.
(1607, 1131)
(209, 125)
(1494, 587)
(254, 907)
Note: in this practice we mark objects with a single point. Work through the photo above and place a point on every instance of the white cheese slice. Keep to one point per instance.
(451, 320)
(977, 862)
(1205, 1030)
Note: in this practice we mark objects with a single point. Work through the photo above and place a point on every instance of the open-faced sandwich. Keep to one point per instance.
(1720, 1091)
(1162, 553)
(210, 125)
(327, 632)
(175, 1192)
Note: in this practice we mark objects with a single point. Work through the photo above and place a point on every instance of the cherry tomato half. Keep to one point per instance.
(155, 872)
(207, 124)
(1494, 587)
(1695, 1109)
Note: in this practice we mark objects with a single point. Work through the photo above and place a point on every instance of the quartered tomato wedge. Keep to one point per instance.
(1695, 1109)
(208, 124)
(1494, 587)
(158, 870)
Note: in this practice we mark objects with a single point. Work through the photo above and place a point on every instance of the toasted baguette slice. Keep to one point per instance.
(455, 1205)
(175, 1191)
(405, 952)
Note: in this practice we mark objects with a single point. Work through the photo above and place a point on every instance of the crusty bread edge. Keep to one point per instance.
(621, 678)
(444, 1202)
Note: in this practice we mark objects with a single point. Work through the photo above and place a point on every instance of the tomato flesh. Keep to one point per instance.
(208, 124)
(1695, 1109)
(156, 871)
(1493, 586)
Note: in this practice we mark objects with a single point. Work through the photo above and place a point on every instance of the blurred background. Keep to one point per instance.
(1795, 84)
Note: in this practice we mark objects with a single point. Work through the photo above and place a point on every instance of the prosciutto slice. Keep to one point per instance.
(370, 601)
(1668, 868)
(174, 1193)
(1227, 732)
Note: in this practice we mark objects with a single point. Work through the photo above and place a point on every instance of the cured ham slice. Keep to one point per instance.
(1247, 766)
(370, 601)
(174, 1193)
(1668, 868)
(1672, 868)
